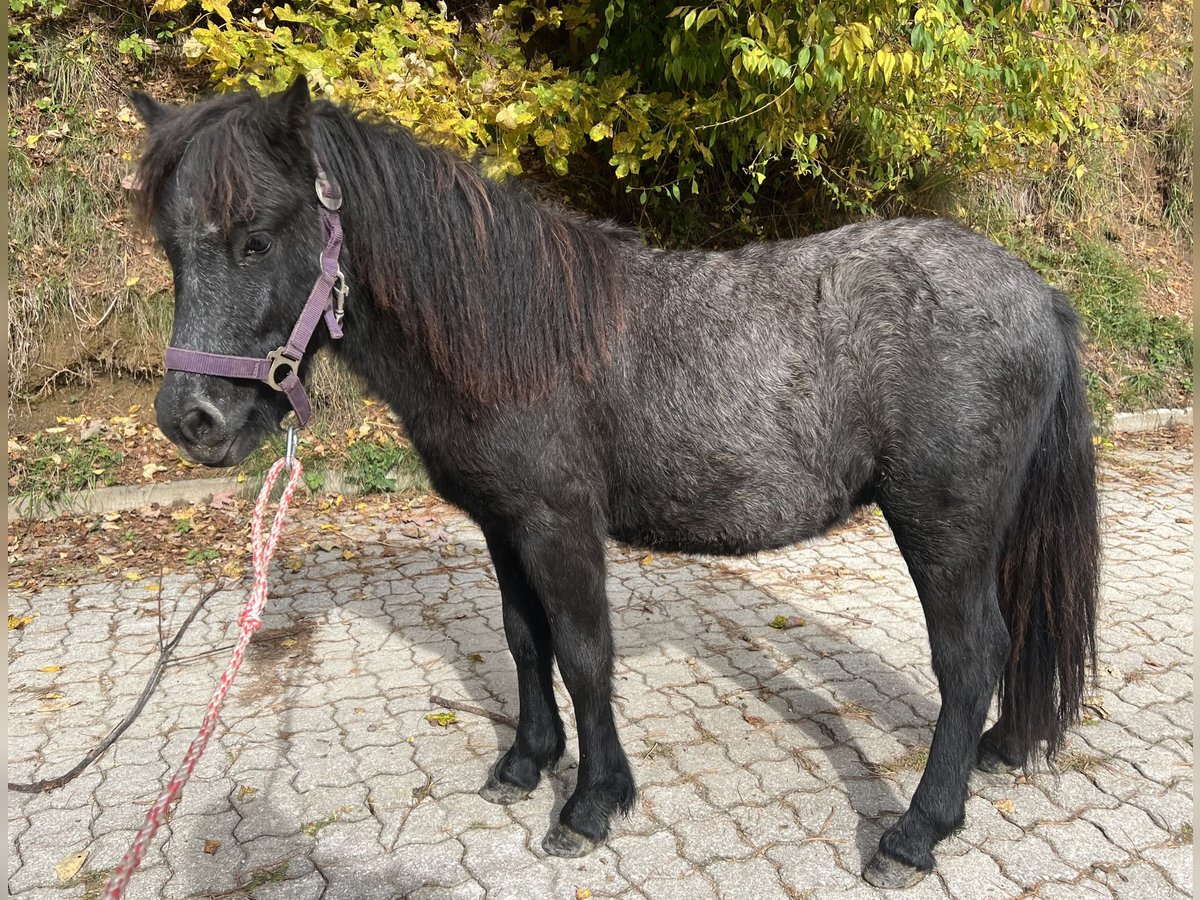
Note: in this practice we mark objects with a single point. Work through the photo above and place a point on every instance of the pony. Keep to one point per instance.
(565, 384)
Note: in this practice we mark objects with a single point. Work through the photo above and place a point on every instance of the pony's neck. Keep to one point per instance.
(498, 296)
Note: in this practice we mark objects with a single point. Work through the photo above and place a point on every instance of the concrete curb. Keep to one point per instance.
(1150, 420)
(201, 490)
(194, 490)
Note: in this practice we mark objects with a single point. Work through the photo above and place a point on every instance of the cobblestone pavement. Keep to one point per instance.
(769, 761)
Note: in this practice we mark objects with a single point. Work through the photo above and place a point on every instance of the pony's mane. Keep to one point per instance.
(505, 296)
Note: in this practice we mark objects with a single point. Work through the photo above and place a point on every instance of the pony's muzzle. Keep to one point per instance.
(201, 423)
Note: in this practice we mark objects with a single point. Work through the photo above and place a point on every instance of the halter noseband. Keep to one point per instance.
(326, 300)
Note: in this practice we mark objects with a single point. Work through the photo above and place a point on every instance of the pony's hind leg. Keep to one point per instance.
(540, 738)
(952, 562)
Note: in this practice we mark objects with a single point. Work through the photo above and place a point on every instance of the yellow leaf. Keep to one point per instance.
(294, 563)
(348, 554)
(443, 720)
(150, 468)
(70, 866)
(153, 587)
(134, 408)
(50, 669)
(132, 575)
(106, 561)
(583, 893)
(132, 280)
(233, 570)
(220, 8)
(1005, 806)
(647, 559)
(58, 705)
(507, 118)
(288, 642)
(168, 6)
(18, 622)
(246, 791)
(241, 477)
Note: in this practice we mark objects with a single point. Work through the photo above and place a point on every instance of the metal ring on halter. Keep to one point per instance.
(293, 438)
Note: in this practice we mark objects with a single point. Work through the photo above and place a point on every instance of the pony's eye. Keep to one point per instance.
(258, 243)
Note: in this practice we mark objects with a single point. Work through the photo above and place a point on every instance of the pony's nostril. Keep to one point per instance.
(200, 422)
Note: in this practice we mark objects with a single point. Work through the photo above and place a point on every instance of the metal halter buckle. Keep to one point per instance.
(278, 361)
(329, 193)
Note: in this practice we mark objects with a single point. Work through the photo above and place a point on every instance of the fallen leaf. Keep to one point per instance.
(50, 669)
(246, 791)
(327, 546)
(17, 622)
(583, 893)
(58, 705)
(134, 575)
(294, 563)
(233, 570)
(756, 721)
(475, 657)
(288, 642)
(221, 499)
(105, 561)
(1005, 806)
(211, 846)
(647, 559)
(348, 554)
(443, 720)
(70, 866)
(150, 468)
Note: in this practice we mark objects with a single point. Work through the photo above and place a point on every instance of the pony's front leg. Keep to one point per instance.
(564, 560)
(540, 738)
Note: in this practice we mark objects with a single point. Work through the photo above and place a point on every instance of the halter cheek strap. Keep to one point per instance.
(280, 369)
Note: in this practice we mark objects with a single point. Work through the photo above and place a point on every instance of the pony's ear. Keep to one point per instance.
(294, 104)
(150, 110)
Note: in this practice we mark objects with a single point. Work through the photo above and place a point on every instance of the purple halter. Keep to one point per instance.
(280, 369)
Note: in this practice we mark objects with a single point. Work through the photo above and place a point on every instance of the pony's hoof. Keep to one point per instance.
(500, 793)
(566, 842)
(885, 872)
(987, 761)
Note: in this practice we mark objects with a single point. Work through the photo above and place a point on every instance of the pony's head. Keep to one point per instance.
(228, 187)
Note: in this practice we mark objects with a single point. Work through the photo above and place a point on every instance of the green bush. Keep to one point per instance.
(866, 100)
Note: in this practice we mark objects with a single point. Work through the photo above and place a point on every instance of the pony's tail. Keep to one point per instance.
(1049, 571)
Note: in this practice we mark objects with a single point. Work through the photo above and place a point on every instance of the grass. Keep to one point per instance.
(55, 464)
(1151, 354)
(1142, 359)
(912, 760)
(1084, 763)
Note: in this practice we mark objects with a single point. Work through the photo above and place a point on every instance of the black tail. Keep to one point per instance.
(1049, 571)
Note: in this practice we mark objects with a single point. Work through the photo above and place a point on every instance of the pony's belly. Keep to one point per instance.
(730, 525)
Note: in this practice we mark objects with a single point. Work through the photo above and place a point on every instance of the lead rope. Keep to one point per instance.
(249, 622)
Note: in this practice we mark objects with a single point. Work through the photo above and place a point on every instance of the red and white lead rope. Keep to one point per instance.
(249, 622)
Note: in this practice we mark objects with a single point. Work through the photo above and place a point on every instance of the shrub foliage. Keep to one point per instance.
(867, 99)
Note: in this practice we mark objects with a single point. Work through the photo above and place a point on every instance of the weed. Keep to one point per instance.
(200, 555)
(267, 875)
(370, 464)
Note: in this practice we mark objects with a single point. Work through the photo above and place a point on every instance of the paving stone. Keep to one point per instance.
(758, 753)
